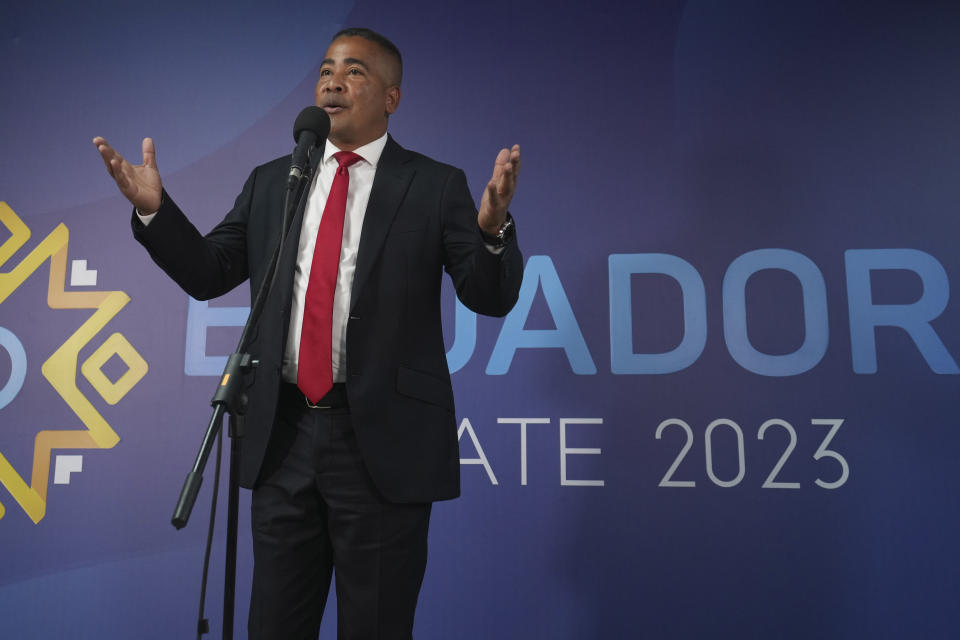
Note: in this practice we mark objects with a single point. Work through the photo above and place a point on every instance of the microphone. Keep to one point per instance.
(309, 130)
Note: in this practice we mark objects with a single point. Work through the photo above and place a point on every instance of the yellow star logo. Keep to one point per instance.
(60, 369)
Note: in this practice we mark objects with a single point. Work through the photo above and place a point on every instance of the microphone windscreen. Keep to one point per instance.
(312, 119)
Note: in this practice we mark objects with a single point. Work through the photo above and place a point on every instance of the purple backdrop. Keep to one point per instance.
(739, 227)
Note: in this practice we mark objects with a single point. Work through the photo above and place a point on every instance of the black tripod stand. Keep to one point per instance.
(310, 130)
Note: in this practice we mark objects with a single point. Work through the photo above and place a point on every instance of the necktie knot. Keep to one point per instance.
(345, 159)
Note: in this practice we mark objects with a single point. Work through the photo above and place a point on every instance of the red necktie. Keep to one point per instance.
(315, 367)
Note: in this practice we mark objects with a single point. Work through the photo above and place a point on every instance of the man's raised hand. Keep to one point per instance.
(140, 184)
(500, 190)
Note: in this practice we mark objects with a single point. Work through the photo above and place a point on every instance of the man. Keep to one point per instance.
(350, 429)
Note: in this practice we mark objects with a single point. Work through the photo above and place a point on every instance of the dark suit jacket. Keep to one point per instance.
(420, 220)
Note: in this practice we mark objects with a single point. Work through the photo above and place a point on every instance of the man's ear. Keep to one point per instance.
(393, 99)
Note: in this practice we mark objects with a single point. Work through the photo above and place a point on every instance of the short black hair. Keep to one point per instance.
(373, 36)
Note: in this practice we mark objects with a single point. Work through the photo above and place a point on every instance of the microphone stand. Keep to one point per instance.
(230, 398)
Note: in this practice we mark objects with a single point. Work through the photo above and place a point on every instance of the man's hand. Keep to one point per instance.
(140, 184)
(499, 191)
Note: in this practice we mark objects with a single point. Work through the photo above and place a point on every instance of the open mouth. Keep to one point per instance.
(334, 108)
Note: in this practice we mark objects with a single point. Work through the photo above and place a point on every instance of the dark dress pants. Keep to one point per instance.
(315, 512)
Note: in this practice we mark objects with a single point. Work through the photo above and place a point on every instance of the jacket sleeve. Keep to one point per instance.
(204, 266)
(485, 282)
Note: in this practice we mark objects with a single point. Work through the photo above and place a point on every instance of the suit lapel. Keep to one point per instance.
(390, 184)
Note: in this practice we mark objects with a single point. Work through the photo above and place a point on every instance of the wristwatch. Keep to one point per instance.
(503, 236)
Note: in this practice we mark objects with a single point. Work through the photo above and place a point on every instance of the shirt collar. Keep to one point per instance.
(370, 152)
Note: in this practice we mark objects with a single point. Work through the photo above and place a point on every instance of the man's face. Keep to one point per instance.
(357, 88)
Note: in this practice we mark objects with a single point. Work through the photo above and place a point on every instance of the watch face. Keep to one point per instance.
(506, 231)
(502, 236)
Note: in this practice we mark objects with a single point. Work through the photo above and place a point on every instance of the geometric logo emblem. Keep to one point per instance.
(60, 369)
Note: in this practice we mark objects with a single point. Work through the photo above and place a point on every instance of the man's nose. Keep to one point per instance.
(334, 83)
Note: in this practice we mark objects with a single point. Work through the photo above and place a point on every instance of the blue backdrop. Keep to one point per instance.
(723, 405)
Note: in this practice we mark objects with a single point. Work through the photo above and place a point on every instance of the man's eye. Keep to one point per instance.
(324, 72)
(355, 72)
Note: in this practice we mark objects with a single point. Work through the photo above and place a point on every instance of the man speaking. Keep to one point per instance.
(351, 433)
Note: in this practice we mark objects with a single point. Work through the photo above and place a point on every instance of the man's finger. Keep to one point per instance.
(503, 182)
(149, 153)
(105, 151)
(503, 156)
(507, 179)
(107, 157)
(118, 173)
(115, 162)
(515, 158)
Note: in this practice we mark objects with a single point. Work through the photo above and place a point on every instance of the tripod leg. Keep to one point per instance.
(233, 507)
